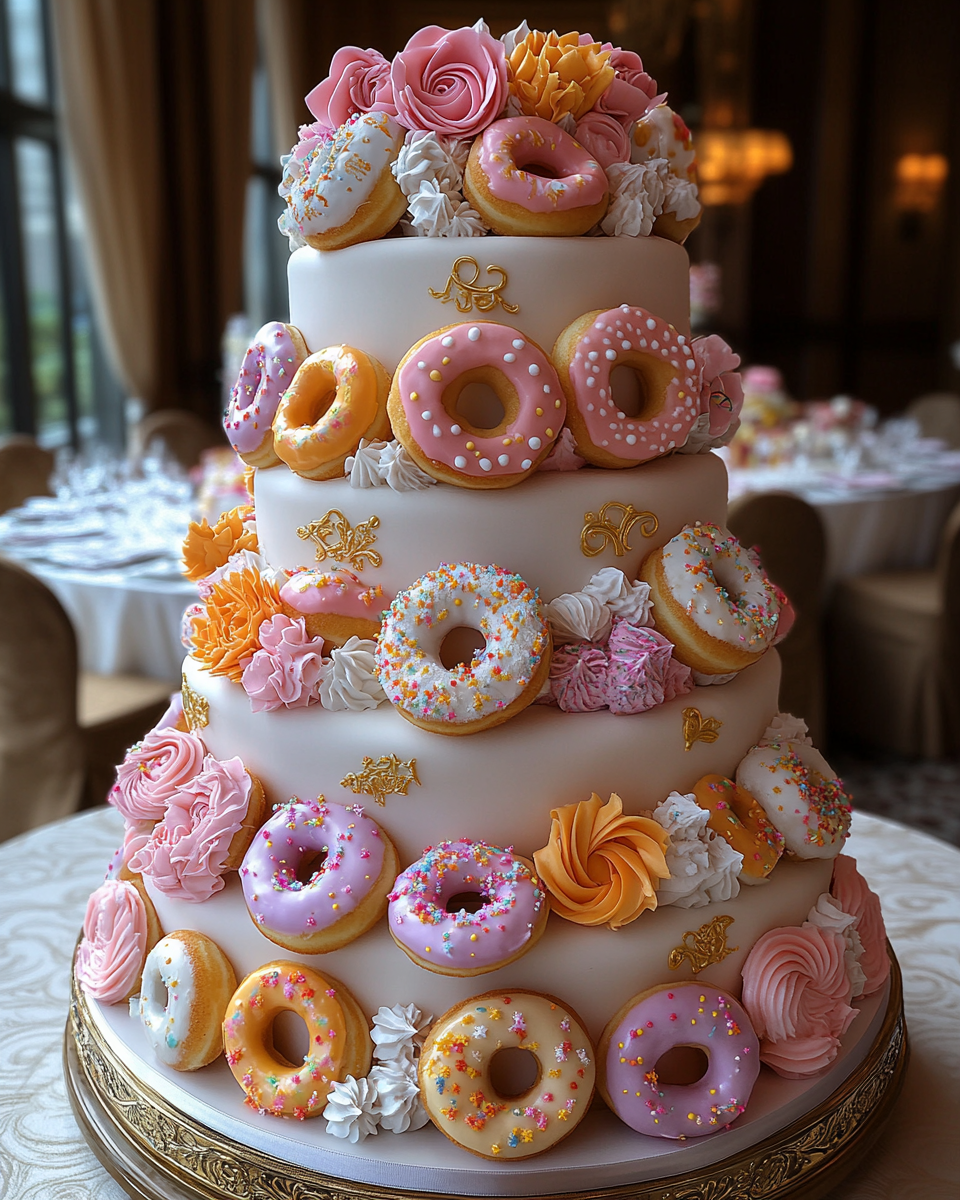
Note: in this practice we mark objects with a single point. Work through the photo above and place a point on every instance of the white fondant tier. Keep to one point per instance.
(377, 296)
(498, 785)
(534, 529)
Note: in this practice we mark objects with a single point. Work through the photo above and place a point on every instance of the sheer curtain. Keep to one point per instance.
(156, 105)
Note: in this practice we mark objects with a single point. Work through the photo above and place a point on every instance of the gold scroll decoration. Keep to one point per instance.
(698, 728)
(352, 545)
(614, 524)
(703, 946)
(196, 708)
(468, 294)
(388, 776)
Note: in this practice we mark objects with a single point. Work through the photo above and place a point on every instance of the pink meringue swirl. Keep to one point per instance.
(450, 81)
(186, 853)
(153, 770)
(603, 137)
(721, 390)
(642, 672)
(285, 672)
(577, 674)
(853, 894)
(359, 82)
(110, 956)
(797, 992)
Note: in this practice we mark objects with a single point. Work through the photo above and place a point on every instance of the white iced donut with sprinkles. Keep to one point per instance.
(499, 681)
(426, 390)
(712, 599)
(587, 353)
(459, 1075)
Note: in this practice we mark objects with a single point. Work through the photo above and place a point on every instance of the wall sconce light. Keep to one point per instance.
(732, 163)
(920, 179)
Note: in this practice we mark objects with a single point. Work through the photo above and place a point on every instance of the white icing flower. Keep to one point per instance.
(350, 1110)
(512, 39)
(785, 727)
(703, 867)
(637, 191)
(398, 470)
(398, 1031)
(398, 1107)
(631, 601)
(827, 914)
(429, 157)
(577, 617)
(349, 682)
(436, 213)
(363, 468)
(680, 197)
(702, 680)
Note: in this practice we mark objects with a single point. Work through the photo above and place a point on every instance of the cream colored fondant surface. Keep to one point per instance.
(376, 296)
(533, 529)
(498, 785)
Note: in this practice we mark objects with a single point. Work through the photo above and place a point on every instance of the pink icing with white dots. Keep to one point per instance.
(270, 874)
(685, 1014)
(516, 448)
(153, 770)
(110, 957)
(269, 366)
(507, 146)
(613, 339)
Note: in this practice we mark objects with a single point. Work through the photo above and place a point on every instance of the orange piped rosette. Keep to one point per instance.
(207, 547)
(600, 866)
(227, 630)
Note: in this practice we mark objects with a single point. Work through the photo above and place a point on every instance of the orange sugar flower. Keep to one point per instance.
(551, 76)
(207, 547)
(227, 631)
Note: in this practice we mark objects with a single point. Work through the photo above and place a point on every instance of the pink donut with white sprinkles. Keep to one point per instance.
(426, 390)
(587, 353)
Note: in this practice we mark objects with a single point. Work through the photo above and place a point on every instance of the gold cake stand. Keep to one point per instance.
(156, 1152)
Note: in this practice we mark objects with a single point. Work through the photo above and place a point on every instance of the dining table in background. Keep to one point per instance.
(43, 1153)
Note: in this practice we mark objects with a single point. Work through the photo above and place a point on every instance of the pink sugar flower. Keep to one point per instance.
(721, 391)
(359, 82)
(286, 671)
(110, 956)
(643, 672)
(577, 674)
(853, 894)
(153, 770)
(604, 138)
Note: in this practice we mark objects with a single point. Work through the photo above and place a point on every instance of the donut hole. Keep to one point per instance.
(627, 390)
(727, 576)
(638, 385)
(310, 401)
(482, 401)
(529, 163)
(311, 862)
(681, 1066)
(470, 902)
(461, 646)
(288, 1038)
(514, 1072)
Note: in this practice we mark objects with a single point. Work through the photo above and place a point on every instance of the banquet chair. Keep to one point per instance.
(25, 470)
(938, 415)
(61, 729)
(895, 656)
(178, 433)
(789, 535)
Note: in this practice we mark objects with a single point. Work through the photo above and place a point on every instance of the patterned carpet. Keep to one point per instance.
(925, 795)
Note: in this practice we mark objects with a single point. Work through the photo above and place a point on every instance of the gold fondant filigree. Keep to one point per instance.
(709, 945)
(698, 728)
(196, 708)
(603, 527)
(388, 776)
(353, 542)
(467, 294)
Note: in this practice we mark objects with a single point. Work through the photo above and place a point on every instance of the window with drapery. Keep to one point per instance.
(54, 380)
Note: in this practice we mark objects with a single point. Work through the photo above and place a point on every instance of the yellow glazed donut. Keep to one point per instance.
(737, 817)
(339, 1042)
(459, 1074)
(338, 396)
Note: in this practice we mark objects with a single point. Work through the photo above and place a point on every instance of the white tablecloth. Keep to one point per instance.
(52, 871)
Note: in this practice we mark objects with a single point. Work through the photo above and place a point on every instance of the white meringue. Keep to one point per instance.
(350, 1110)
(363, 468)
(349, 682)
(577, 617)
(636, 197)
(703, 867)
(398, 1107)
(398, 1031)
(827, 914)
(785, 727)
(631, 601)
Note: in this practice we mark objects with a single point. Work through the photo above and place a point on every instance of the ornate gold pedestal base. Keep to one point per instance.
(158, 1153)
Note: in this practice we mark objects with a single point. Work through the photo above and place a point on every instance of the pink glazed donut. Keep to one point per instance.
(588, 351)
(454, 940)
(269, 365)
(526, 176)
(660, 1019)
(316, 876)
(427, 386)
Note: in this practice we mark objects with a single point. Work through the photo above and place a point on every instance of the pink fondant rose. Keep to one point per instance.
(643, 672)
(797, 992)
(604, 138)
(110, 957)
(854, 896)
(285, 672)
(632, 92)
(359, 82)
(453, 82)
(721, 391)
(153, 770)
(186, 854)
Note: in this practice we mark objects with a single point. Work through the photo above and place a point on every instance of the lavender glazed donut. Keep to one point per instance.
(660, 1019)
(269, 365)
(317, 874)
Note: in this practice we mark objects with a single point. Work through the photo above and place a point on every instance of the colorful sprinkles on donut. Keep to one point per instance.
(824, 805)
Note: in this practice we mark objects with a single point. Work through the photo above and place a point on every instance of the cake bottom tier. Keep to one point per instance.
(175, 1136)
